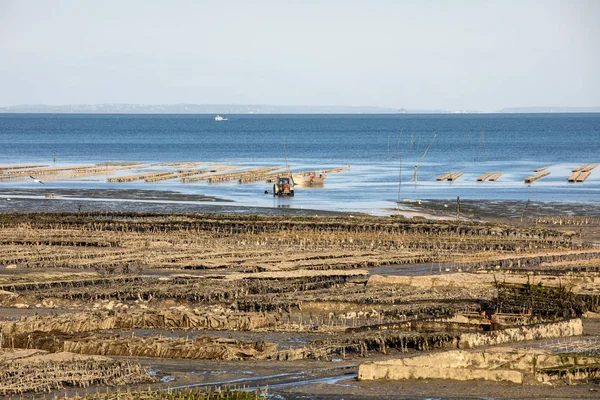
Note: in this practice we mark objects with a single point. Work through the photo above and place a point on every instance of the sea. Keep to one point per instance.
(382, 152)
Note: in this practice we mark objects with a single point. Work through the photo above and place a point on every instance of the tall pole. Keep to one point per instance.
(399, 184)
(524, 208)
(482, 141)
(398, 145)
(415, 178)
(457, 207)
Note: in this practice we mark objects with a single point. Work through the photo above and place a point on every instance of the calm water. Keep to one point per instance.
(370, 144)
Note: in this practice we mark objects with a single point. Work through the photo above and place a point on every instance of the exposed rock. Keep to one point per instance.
(507, 365)
(573, 327)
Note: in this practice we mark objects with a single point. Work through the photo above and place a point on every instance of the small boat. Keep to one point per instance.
(219, 118)
(312, 179)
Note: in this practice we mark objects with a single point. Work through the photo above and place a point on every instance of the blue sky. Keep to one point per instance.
(477, 55)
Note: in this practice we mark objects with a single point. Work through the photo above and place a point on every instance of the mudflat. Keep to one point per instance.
(299, 303)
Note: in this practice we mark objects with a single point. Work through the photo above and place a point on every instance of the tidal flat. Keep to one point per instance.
(298, 304)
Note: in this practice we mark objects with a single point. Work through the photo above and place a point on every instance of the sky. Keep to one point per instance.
(452, 55)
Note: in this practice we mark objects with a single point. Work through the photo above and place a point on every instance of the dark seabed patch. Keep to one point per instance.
(505, 208)
(116, 194)
(51, 205)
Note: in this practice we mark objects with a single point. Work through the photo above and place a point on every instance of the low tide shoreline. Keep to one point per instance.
(161, 201)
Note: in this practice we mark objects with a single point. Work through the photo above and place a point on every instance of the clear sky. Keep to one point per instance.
(477, 55)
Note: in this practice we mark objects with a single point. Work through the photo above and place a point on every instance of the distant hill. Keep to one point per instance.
(425, 111)
(117, 108)
(533, 110)
(193, 109)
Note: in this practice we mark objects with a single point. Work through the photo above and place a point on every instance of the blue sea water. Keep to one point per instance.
(372, 145)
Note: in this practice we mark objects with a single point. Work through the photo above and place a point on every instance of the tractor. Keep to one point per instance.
(283, 187)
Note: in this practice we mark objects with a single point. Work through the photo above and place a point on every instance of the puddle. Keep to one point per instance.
(297, 379)
(238, 380)
(329, 380)
(221, 372)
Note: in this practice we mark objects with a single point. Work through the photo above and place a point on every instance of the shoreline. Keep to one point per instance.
(26, 205)
(168, 201)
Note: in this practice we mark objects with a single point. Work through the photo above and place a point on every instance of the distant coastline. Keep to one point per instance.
(193, 109)
(117, 108)
(548, 110)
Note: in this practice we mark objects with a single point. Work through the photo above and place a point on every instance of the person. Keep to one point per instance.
(490, 315)
(494, 322)
(484, 326)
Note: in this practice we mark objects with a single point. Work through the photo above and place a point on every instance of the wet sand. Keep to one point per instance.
(111, 194)
(313, 379)
(125, 201)
(131, 200)
(512, 209)
(437, 389)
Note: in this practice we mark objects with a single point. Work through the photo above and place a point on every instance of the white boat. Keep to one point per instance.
(310, 179)
(219, 118)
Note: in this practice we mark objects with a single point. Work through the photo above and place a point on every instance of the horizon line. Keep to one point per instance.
(265, 109)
